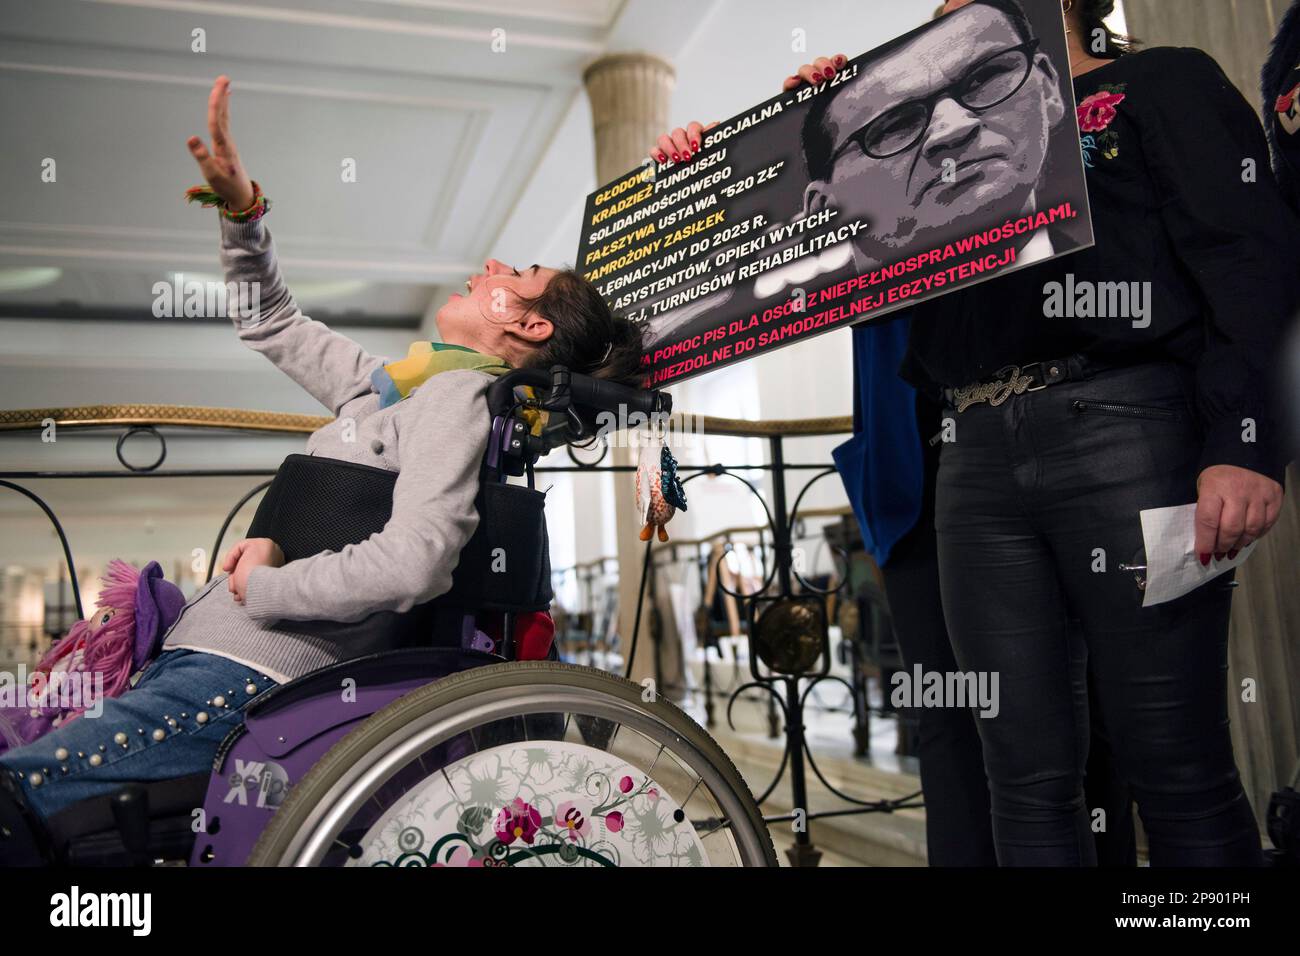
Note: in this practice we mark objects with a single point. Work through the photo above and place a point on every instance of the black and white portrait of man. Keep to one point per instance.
(938, 134)
(954, 128)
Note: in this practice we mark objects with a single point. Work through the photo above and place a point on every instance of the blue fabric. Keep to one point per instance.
(882, 465)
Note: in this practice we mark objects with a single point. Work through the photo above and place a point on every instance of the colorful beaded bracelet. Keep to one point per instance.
(205, 196)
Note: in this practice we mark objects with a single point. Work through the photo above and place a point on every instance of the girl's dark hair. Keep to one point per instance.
(585, 328)
(1092, 16)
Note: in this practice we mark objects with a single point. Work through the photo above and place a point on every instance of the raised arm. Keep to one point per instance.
(331, 367)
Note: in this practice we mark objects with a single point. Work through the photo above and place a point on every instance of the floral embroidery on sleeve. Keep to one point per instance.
(1096, 113)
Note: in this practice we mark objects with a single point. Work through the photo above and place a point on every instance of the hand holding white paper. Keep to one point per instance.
(1173, 567)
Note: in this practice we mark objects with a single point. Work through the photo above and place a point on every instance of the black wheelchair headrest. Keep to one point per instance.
(579, 405)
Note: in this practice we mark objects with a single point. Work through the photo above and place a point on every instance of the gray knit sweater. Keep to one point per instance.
(435, 440)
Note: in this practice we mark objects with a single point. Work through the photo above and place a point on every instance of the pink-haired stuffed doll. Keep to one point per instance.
(132, 613)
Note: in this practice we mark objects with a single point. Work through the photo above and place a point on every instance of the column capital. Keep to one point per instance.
(631, 59)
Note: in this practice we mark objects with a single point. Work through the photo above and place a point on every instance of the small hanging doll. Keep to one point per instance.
(659, 492)
(133, 612)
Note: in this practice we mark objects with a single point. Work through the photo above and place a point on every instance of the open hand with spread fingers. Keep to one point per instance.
(220, 164)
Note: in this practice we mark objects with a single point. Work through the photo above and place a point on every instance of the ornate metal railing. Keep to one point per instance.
(155, 416)
(788, 636)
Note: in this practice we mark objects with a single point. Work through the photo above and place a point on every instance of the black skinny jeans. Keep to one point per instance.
(957, 827)
(958, 820)
(1028, 492)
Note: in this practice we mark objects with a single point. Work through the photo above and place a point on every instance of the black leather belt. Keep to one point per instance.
(1019, 379)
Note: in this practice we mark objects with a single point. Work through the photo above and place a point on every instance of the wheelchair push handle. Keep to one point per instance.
(611, 396)
(577, 405)
(566, 389)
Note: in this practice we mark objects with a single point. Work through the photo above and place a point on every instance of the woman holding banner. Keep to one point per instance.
(1102, 417)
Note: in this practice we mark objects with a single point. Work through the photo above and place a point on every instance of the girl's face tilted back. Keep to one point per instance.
(489, 316)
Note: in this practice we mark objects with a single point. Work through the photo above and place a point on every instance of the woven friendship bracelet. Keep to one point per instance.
(206, 197)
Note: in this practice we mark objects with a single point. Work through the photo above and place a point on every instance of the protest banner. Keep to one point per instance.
(943, 158)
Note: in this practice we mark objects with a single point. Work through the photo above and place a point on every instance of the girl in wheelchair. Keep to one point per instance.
(267, 620)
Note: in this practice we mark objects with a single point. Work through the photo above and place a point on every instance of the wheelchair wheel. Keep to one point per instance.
(521, 764)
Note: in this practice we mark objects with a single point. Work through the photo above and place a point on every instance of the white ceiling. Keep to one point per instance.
(444, 133)
(461, 153)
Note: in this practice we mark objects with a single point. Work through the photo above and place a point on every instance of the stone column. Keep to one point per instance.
(630, 96)
(1263, 647)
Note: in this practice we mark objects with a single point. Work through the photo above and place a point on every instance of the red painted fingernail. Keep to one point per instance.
(1232, 555)
(1218, 555)
(839, 61)
(830, 71)
(1205, 560)
(676, 157)
(694, 145)
(817, 77)
(663, 158)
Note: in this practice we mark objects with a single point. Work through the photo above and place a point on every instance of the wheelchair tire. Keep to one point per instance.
(305, 830)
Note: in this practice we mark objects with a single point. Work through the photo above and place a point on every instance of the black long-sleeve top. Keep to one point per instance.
(1182, 196)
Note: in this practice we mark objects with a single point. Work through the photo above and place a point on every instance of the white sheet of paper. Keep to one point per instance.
(1173, 567)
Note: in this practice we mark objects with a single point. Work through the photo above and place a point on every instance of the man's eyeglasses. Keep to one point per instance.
(991, 81)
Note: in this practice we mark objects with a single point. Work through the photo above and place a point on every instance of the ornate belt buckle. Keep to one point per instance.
(1038, 369)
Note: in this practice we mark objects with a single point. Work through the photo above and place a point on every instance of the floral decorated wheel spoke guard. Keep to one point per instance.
(541, 803)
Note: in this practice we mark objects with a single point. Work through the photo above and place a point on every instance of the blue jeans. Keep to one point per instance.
(168, 725)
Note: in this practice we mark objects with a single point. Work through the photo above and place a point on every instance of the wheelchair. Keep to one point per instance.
(438, 747)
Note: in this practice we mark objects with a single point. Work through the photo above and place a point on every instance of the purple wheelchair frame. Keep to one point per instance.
(290, 728)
